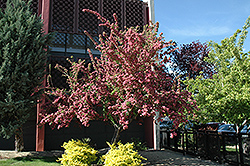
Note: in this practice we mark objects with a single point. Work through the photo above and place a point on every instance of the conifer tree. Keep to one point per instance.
(23, 55)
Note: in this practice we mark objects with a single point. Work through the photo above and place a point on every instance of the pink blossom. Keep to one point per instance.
(128, 82)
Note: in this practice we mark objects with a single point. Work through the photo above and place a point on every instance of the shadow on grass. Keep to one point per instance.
(37, 158)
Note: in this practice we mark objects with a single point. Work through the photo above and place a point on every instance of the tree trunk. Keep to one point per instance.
(116, 135)
(19, 145)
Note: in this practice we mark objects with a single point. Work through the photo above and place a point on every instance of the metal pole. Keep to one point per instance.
(240, 149)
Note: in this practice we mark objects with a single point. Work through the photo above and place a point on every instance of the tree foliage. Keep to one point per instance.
(188, 61)
(225, 96)
(23, 58)
(127, 82)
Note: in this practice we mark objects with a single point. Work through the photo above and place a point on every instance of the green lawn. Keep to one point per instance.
(231, 148)
(30, 161)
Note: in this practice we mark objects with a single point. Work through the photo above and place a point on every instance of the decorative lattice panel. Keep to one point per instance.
(74, 41)
(67, 15)
(134, 13)
(34, 5)
(63, 15)
(88, 21)
(110, 7)
(80, 41)
(3, 4)
(61, 39)
(70, 23)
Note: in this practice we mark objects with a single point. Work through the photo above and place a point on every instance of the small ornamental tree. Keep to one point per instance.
(188, 61)
(127, 82)
(225, 96)
(23, 58)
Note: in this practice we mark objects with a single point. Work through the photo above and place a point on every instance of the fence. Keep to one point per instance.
(227, 147)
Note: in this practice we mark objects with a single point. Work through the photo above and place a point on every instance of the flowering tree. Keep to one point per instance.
(127, 82)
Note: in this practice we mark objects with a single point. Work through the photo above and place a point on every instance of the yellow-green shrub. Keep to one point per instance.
(77, 153)
(122, 155)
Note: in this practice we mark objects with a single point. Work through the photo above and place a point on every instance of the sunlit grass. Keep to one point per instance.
(30, 161)
(230, 149)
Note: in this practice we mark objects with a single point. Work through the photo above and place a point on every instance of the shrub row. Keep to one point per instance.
(80, 153)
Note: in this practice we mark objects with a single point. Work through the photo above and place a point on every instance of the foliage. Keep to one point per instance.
(23, 58)
(30, 161)
(188, 61)
(127, 82)
(225, 96)
(122, 155)
(138, 144)
(77, 153)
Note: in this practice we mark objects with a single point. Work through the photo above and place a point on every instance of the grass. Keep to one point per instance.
(231, 148)
(30, 161)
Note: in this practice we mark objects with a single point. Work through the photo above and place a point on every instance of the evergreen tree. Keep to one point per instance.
(23, 56)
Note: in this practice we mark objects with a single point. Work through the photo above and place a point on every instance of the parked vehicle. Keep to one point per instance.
(230, 128)
(211, 126)
(246, 129)
(226, 128)
(166, 124)
(191, 125)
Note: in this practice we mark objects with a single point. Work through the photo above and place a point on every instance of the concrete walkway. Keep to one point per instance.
(7, 154)
(168, 157)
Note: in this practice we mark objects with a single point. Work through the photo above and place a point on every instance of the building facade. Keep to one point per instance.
(66, 19)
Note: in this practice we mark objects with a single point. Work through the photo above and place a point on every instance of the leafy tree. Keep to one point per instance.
(188, 61)
(23, 58)
(127, 82)
(225, 96)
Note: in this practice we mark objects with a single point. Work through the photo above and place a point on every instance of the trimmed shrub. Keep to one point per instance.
(78, 153)
(139, 145)
(122, 155)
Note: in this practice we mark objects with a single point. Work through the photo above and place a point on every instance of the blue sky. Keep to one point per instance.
(185, 21)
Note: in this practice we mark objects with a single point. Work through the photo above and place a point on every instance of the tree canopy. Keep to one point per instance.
(127, 82)
(188, 61)
(225, 96)
(23, 56)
